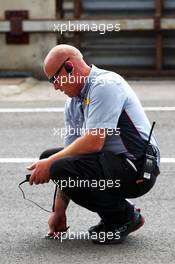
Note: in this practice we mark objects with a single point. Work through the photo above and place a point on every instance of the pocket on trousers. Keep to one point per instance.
(145, 185)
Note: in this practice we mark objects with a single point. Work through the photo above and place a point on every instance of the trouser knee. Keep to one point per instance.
(47, 153)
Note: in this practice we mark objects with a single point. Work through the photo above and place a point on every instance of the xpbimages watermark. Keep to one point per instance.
(101, 184)
(100, 236)
(72, 26)
(79, 131)
(71, 79)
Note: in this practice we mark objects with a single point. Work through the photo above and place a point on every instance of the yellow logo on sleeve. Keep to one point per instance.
(86, 101)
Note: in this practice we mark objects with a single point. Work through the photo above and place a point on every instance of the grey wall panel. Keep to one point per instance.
(118, 8)
(121, 8)
(121, 50)
(169, 50)
(169, 7)
(127, 50)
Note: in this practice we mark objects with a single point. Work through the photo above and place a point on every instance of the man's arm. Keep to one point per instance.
(92, 141)
(57, 221)
(61, 202)
(88, 143)
(85, 144)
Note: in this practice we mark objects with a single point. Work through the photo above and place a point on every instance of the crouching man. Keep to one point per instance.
(109, 144)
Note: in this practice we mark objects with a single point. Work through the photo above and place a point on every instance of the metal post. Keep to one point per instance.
(59, 9)
(77, 9)
(77, 15)
(159, 38)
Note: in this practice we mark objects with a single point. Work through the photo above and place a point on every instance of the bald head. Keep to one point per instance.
(64, 50)
(65, 62)
(58, 55)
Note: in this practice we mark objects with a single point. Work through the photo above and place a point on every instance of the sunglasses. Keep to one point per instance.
(54, 77)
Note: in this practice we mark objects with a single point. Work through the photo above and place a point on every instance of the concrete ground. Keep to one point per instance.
(23, 226)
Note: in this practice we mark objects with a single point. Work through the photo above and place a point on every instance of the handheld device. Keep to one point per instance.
(150, 161)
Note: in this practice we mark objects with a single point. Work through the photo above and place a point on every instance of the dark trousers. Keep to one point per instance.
(110, 180)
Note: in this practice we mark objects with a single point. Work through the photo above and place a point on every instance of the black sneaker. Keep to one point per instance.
(101, 226)
(99, 234)
(97, 228)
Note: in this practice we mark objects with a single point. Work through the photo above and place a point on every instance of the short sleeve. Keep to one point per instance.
(105, 107)
(70, 131)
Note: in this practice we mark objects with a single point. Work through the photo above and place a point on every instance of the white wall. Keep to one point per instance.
(27, 57)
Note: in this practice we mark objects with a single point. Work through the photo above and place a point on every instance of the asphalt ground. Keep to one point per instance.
(23, 226)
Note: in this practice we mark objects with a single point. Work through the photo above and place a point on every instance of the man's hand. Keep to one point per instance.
(40, 173)
(57, 223)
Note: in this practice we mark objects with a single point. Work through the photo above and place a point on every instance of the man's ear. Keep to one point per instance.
(68, 67)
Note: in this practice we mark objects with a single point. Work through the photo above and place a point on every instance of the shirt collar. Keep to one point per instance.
(89, 81)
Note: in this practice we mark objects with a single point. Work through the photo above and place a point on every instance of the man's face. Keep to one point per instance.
(66, 83)
(62, 80)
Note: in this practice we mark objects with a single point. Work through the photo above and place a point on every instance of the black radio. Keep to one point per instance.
(149, 166)
(149, 159)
